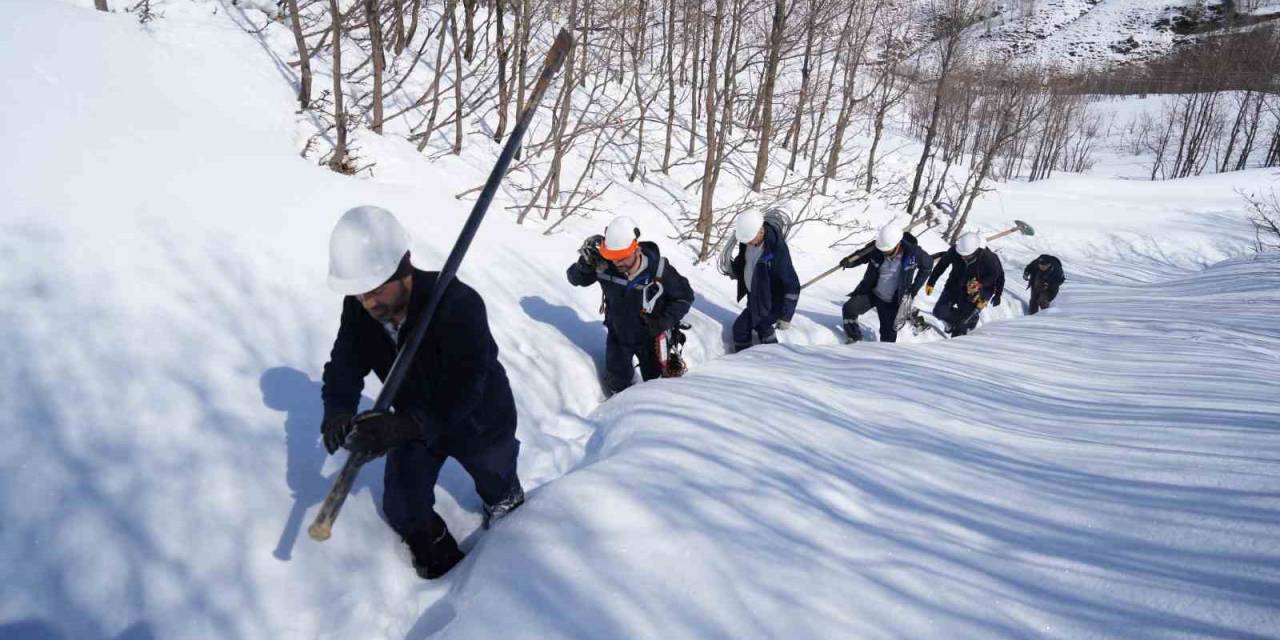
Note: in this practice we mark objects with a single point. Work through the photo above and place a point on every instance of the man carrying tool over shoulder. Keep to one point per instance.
(455, 401)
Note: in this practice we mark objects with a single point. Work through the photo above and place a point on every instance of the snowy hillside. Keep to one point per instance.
(1094, 33)
(1106, 469)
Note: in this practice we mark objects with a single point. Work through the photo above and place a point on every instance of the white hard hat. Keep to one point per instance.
(968, 243)
(748, 225)
(888, 237)
(621, 238)
(365, 249)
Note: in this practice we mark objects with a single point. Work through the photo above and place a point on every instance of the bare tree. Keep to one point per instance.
(373, 15)
(770, 79)
(670, 51)
(304, 57)
(338, 162)
(705, 215)
(504, 91)
(816, 7)
(952, 16)
(1264, 213)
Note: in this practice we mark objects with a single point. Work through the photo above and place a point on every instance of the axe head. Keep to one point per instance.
(1024, 228)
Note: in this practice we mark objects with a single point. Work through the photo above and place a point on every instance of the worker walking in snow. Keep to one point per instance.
(976, 280)
(644, 300)
(896, 269)
(455, 400)
(1043, 276)
(763, 270)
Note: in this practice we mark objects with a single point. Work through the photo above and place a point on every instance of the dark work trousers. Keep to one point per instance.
(1041, 298)
(618, 370)
(745, 324)
(409, 496)
(955, 310)
(862, 303)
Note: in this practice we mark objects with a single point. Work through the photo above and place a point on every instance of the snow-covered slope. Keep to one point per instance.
(1108, 468)
(1091, 33)
(1097, 471)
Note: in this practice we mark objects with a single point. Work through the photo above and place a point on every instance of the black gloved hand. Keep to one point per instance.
(996, 300)
(655, 323)
(847, 261)
(589, 252)
(374, 433)
(335, 429)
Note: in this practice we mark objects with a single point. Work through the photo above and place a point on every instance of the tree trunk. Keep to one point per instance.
(400, 42)
(770, 76)
(101, 5)
(504, 92)
(698, 52)
(445, 19)
(705, 212)
(469, 16)
(457, 75)
(562, 115)
(338, 161)
(670, 46)
(522, 61)
(806, 71)
(637, 50)
(413, 21)
(372, 11)
(950, 45)
(304, 56)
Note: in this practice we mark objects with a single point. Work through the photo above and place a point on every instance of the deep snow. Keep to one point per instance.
(1108, 468)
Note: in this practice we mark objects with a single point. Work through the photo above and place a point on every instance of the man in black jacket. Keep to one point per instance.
(1044, 275)
(644, 296)
(977, 278)
(896, 269)
(765, 276)
(455, 400)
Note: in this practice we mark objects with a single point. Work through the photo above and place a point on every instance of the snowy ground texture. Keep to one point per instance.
(1110, 468)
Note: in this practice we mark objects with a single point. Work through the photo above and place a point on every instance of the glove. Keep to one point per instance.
(782, 325)
(335, 429)
(374, 433)
(980, 303)
(655, 323)
(996, 301)
(847, 261)
(928, 289)
(589, 252)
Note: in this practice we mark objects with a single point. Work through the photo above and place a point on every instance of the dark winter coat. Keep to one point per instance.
(775, 287)
(1050, 279)
(986, 268)
(915, 266)
(456, 389)
(624, 299)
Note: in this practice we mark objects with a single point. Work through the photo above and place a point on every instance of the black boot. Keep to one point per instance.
(496, 511)
(853, 331)
(435, 551)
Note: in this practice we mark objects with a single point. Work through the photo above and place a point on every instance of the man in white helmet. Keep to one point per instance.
(765, 275)
(454, 402)
(644, 296)
(977, 278)
(896, 269)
